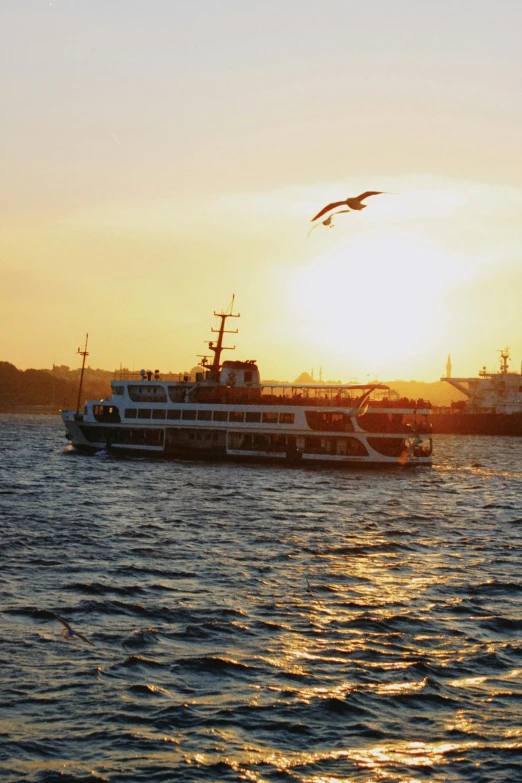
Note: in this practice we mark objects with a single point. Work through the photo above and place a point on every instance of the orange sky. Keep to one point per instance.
(158, 157)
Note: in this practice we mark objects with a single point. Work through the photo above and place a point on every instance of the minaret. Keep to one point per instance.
(448, 367)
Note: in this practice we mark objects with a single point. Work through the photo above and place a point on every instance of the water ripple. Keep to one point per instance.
(258, 623)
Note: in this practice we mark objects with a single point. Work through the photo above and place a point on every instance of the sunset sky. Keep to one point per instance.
(157, 157)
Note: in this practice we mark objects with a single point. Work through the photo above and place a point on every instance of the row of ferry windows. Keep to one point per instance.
(267, 417)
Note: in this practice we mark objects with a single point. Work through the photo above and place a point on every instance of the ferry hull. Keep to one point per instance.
(93, 439)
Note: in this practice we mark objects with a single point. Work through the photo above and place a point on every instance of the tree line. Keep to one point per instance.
(49, 389)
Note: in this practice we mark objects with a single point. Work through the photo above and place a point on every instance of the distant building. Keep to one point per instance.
(448, 367)
(305, 378)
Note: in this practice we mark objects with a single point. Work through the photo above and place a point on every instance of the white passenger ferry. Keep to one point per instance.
(227, 413)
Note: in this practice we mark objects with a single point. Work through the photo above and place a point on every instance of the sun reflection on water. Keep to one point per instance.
(337, 628)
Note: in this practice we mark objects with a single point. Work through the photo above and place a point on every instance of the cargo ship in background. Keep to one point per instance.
(493, 405)
(227, 413)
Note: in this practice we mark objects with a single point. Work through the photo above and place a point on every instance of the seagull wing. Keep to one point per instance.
(329, 219)
(328, 208)
(339, 212)
(63, 622)
(81, 636)
(368, 193)
(362, 405)
(316, 225)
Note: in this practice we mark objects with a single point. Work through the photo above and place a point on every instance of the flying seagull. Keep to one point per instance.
(352, 203)
(362, 404)
(68, 632)
(328, 221)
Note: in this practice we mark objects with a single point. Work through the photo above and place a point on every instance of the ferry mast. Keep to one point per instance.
(83, 353)
(218, 347)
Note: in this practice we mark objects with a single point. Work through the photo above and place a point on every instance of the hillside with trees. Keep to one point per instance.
(48, 391)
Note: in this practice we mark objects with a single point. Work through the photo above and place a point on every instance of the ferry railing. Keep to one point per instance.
(269, 395)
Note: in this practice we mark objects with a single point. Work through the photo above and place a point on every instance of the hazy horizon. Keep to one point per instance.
(159, 158)
(315, 378)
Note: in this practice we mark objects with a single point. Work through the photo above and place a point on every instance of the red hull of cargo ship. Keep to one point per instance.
(458, 423)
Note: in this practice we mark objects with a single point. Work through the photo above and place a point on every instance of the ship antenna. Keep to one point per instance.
(504, 359)
(217, 348)
(83, 353)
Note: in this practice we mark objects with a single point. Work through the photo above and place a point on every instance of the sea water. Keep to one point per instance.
(259, 623)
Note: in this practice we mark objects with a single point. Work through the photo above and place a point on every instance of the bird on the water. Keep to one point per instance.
(68, 632)
(328, 221)
(353, 203)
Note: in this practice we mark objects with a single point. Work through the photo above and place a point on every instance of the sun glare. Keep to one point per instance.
(377, 302)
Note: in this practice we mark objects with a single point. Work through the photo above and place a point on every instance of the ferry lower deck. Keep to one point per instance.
(293, 436)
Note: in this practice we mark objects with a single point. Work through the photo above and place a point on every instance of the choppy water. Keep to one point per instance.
(259, 623)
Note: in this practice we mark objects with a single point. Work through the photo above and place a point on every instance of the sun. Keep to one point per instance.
(375, 302)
